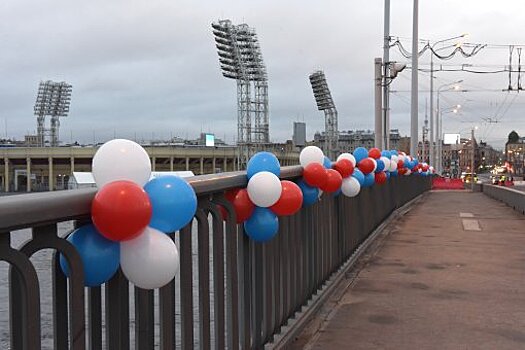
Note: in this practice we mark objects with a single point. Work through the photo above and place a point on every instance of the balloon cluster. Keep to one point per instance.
(265, 198)
(132, 216)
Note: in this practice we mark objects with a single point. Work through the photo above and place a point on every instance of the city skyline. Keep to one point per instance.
(151, 69)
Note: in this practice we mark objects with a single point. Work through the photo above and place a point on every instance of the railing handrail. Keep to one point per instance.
(32, 209)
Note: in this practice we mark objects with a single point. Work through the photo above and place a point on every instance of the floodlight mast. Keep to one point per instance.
(325, 103)
(53, 99)
(240, 58)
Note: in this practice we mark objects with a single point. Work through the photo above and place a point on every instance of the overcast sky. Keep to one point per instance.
(149, 69)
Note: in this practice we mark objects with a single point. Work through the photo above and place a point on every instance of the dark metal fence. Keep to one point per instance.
(230, 292)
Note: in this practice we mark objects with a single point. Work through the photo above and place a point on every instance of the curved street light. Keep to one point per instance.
(454, 86)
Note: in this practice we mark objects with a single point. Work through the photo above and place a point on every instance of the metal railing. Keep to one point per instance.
(513, 198)
(230, 292)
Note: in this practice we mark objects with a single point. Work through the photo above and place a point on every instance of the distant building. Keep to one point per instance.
(351, 139)
(299, 134)
(515, 154)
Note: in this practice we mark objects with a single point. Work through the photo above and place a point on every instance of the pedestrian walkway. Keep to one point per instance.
(451, 275)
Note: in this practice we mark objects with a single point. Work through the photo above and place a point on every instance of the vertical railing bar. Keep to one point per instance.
(246, 284)
(60, 312)
(117, 312)
(259, 293)
(144, 319)
(277, 289)
(232, 287)
(186, 287)
(203, 243)
(269, 288)
(94, 318)
(167, 313)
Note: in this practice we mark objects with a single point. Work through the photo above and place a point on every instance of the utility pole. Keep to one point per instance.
(414, 98)
(378, 136)
(386, 74)
(472, 161)
(431, 141)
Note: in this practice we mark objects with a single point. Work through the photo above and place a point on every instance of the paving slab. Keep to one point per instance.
(435, 285)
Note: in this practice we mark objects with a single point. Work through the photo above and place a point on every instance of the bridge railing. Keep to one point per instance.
(229, 293)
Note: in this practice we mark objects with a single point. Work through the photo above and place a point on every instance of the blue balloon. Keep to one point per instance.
(387, 175)
(360, 153)
(262, 226)
(337, 193)
(380, 165)
(310, 194)
(394, 173)
(393, 152)
(100, 256)
(360, 177)
(263, 161)
(415, 161)
(386, 153)
(369, 180)
(327, 163)
(173, 201)
(408, 164)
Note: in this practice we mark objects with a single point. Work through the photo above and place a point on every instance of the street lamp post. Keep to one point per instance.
(432, 117)
(439, 122)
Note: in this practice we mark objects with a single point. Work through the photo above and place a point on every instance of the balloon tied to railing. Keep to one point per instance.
(132, 215)
(266, 197)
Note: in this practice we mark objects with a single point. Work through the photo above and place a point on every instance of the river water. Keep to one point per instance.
(42, 263)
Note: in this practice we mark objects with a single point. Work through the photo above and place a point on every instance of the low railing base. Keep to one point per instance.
(296, 325)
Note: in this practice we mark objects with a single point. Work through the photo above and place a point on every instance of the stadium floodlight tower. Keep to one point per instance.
(241, 59)
(325, 103)
(53, 99)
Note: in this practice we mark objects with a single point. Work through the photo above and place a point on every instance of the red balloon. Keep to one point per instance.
(366, 166)
(402, 171)
(335, 180)
(344, 167)
(121, 210)
(314, 174)
(242, 204)
(380, 177)
(425, 167)
(291, 199)
(374, 153)
(400, 164)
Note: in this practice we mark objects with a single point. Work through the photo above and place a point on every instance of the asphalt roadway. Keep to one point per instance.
(449, 275)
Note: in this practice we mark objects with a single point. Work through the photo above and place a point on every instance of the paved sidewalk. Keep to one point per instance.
(439, 281)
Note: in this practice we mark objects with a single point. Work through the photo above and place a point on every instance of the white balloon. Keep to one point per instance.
(121, 159)
(311, 154)
(350, 187)
(151, 260)
(393, 165)
(387, 163)
(348, 156)
(401, 157)
(264, 189)
(408, 172)
(394, 159)
(320, 194)
(375, 164)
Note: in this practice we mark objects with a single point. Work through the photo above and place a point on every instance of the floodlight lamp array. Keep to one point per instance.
(239, 51)
(322, 94)
(53, 99)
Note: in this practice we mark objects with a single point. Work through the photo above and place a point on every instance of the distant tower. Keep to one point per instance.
(241, 59)
(325, 103)
(52, 100)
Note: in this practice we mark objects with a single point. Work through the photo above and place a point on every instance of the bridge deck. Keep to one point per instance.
(436, 282)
